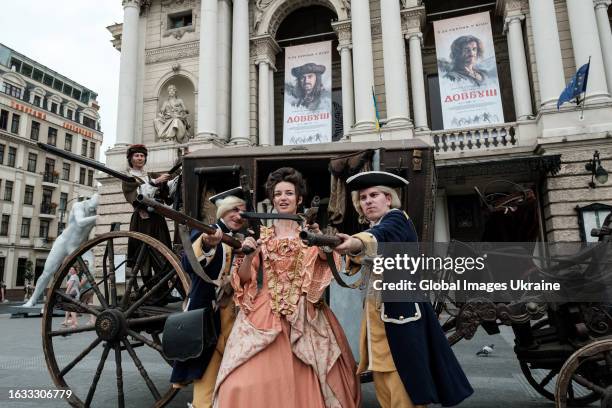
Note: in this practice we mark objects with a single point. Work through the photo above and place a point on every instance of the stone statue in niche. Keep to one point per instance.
(172, 122)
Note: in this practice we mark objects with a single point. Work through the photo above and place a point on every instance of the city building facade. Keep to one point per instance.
(226, 61)
(37, 188)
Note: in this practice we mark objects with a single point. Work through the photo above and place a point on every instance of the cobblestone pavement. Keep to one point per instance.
(497, 379)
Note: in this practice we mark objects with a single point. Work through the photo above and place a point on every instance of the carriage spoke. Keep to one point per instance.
(119, 374)
(78, 358)
(141, 369)
(147, 295)
(547, 378)
(76, 302)
(146, 341)
(94, 383)
(588, 384)
(92, 282)
(110, 255)
(66, 332)
(135, 269)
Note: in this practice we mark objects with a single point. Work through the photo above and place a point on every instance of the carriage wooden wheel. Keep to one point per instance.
(128, 317)
(545, 379)
(591, 367)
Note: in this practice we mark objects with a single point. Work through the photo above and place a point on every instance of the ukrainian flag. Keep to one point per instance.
(376, 110)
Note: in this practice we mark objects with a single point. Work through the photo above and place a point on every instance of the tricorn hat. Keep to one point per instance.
(368, 179)
(236, 192)
(306, 69)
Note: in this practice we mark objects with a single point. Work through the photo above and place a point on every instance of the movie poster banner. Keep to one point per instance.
(467, 72)
(307, 103)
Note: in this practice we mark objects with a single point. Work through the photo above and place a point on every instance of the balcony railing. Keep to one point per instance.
(48, 209)
(476, 138)
(50, 178)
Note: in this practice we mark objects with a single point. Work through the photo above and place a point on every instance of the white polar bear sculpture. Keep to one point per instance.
(82, 220)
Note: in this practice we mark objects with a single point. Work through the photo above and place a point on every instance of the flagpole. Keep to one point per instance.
(377, 117)
(584, 97)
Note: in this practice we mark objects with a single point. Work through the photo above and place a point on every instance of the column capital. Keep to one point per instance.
(415, 34)
(265, 49)
(602, 3)
(131, 3)
(343, 31)
(413, 19)
(512, 19)
(505, 8)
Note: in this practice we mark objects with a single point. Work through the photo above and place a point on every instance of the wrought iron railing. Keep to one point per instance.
(50, 178)
(46, 208)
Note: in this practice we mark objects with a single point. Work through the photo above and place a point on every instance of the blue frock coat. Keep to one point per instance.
(423, 358)
(201, 295)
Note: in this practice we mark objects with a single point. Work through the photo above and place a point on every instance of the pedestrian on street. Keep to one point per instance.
(3, 298)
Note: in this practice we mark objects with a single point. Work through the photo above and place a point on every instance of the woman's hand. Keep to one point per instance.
(244, 271)
(252, 245)
(314, 228)
(349, 245)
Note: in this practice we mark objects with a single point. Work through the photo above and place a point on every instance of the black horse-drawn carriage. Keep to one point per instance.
(564, 348)
(131, 308)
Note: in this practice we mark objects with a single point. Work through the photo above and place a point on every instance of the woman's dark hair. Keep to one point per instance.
(288, 174)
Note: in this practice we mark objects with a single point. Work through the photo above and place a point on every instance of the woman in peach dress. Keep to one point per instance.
(286, 348)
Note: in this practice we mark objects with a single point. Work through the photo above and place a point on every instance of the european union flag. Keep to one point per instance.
(576, 85)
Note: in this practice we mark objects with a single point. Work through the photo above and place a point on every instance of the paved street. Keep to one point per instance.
(497, 379)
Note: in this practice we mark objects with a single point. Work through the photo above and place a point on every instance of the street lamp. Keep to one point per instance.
(597, 171)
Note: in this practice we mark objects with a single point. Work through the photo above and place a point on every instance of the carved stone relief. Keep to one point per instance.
(175, 4)
(177, 52)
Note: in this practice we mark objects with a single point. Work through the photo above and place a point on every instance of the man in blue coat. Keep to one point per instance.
(402, 343)
(216, 259)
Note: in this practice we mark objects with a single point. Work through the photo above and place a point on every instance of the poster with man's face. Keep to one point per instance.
(308, 104)
(467, 72)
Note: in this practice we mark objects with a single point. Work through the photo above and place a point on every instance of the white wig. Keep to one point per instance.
(227, 204)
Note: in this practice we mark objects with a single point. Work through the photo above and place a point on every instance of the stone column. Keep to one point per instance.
(207, 71)
(264, 103)
(585, 41)
(343, 30)
(547, 51)
(271, 105)
(363, 72)
(240, 73)
(518, 66)
(224, 62)
(413, 19)
(605, 37)
(128, 70)
(394, 55)
(265, 55)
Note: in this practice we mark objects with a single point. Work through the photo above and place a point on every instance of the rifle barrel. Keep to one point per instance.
(185, 220)
(86, 162)
(320, 239)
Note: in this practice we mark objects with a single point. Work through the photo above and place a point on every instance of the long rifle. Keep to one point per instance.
(87, 162)
(183, 219)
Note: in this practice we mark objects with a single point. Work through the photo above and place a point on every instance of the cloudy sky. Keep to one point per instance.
(70, 37)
